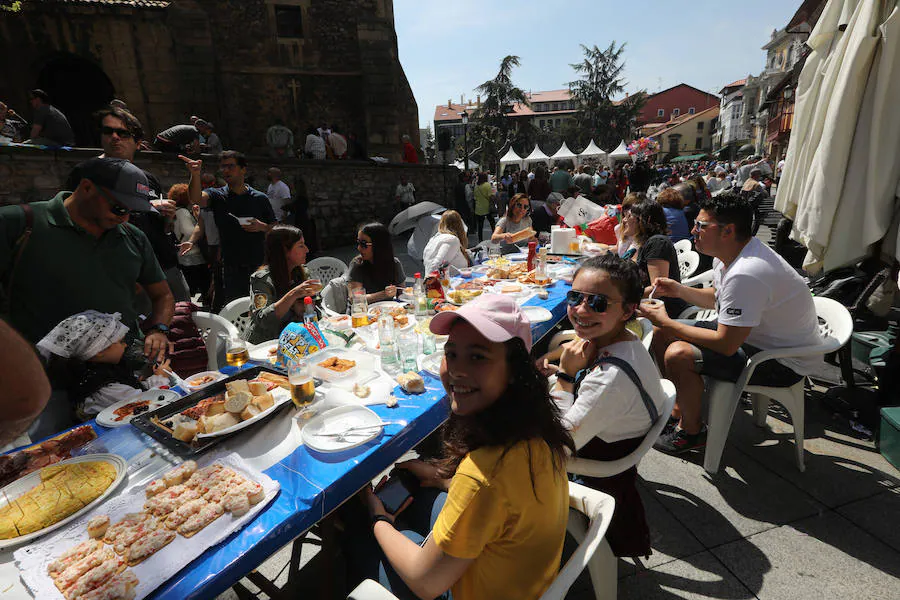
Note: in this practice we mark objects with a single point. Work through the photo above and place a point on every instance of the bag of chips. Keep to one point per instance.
(299, 340)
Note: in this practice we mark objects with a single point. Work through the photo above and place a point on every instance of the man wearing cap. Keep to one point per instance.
(546, 214)
(83, 254)
(242, 244)
(49, 127)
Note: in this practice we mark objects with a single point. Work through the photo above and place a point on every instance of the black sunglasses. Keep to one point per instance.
(596, 302)
(122, 133)
(363, 244)
(114, 207)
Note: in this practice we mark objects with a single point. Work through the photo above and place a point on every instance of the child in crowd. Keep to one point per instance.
(87, 355)
(495, 519)
(608, 387)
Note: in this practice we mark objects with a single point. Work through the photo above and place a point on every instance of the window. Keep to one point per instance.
(700, 126)
(661, 112)
(557, 122)
(556, 106)
(691, 110)
(699, 143)
(542, 123)
(289, 21)
(676, 112)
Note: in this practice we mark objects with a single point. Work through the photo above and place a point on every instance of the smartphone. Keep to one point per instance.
(395, 493)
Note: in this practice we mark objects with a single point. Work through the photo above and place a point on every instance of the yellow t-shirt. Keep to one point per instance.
(492, 515)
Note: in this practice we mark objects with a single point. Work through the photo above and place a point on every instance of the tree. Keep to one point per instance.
(429, 144)
(493, 128)
(598, 116)
(10, 5)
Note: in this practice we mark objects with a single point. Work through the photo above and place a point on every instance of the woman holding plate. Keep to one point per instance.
(279, 286)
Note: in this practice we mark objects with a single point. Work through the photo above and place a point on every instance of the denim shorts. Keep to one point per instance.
(729, 368)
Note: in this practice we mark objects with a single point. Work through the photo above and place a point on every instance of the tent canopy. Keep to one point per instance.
(511, 158)
(688, 158)
(592, 150)
(537, 156)
(620, 153)
(564, 153)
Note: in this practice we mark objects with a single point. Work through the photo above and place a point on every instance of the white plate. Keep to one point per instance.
(217, 376)
(387, 305)
(107, 417)
(20, 486)
(281, 397)
(537, 314)
(337, 419)
(432, 363)
(365, 365)
(517, 257)
(260, 352)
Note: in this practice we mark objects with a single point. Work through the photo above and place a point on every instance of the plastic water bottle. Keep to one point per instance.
(419, 294)
(389, 358)
(309, 311)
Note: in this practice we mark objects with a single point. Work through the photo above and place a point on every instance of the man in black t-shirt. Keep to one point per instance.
(178, 138)
(243, 215)
(49, 126)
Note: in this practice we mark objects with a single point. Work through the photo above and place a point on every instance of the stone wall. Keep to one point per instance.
(342, 194)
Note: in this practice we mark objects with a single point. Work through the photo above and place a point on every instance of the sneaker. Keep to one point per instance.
(678, 441)
(670, 425)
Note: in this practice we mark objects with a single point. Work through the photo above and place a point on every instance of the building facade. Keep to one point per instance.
(685, 135)
(238, 63)
(674, 102)
(731, 131)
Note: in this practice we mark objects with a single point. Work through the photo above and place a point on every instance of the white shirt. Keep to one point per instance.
(443, 249)
(609, 405)
(762, 291)
(407, 193)
(183, 228)
(209, 227)
(279, 194)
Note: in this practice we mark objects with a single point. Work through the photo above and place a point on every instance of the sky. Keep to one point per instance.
(449, 48)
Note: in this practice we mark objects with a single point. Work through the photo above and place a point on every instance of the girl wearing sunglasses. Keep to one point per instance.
(376, 269)
(515, 220)
(608, 387)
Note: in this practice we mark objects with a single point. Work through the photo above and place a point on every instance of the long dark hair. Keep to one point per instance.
(524, 411)
(382, 251)
(651, 220)
(279, 241)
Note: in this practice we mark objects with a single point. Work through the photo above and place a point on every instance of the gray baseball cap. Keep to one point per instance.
(126, 182)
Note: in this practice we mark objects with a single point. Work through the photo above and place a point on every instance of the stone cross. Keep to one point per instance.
(295, 87)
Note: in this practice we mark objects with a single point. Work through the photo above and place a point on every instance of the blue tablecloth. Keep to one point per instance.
(313, 484)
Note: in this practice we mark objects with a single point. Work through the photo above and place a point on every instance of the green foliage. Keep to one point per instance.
(493, 129)
(10, 5)
(598, 116)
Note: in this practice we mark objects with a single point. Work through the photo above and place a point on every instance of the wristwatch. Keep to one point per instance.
(160, 327)
(377, 518)
(565, 377)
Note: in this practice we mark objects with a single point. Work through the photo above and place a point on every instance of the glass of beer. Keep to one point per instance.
(359, 308)
(236, 353)
(303, 387)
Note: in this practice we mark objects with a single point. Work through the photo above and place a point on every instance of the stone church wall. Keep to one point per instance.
(341, 194)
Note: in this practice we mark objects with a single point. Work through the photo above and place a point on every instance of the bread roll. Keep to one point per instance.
(258, 388)
(521, 235)
(240, 385)
(238, 401)
(216, 408)
(186, 431)
(251, 411)
(264, 401)
(412, 383)
(218, 422)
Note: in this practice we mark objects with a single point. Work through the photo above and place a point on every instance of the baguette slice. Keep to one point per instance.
(264, 401)
(521, 235)
(237, 402)
(258, 388)
(240, 385)
(412, 383)
(186, 431)
(251, 411)
(218, 422)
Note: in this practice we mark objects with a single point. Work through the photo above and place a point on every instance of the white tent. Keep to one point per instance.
(537, 156)
(592, 151)
(620, 153)
(564, 154)
(511, 158)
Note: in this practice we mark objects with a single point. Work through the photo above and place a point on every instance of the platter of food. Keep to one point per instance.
(121, 413)
(264, 352)
(193, 424)
(530, 278)
(50, 498)
(342, 366)
(27, 460)
(395, 309)
(508, 271)
(198, 381)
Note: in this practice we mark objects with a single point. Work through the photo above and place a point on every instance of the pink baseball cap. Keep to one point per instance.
(496, 317)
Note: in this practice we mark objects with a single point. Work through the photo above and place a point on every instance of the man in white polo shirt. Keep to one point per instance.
(762, 304)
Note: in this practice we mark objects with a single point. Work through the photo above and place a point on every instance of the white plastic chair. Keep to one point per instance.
(682, 246)
(590, 512)
(565, 335)
(688, 263)
(603, 568)
(237, 312)
(835, 327)
(325, 268)
(334, 297)
(703, 280)
(213, 328)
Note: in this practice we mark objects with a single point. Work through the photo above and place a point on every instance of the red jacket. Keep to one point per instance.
(409, 153)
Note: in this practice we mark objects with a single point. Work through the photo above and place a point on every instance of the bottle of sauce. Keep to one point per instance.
(532, 252)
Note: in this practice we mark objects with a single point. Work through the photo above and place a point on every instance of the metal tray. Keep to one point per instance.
(183, 449)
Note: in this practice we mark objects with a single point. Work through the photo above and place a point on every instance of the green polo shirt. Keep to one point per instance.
(64, 270)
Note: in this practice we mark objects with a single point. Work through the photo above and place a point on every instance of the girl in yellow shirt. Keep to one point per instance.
(502, 521)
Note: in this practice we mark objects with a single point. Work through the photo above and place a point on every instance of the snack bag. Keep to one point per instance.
(298, 340)
(433, 288)
(602, 230)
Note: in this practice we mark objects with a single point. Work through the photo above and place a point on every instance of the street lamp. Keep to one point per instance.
(465, 122)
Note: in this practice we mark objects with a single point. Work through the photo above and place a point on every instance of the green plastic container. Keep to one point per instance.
(889, 438)
(863, 342)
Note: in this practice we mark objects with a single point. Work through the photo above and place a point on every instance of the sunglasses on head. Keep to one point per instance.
(122, 133)
(363, 244)
(596, 302)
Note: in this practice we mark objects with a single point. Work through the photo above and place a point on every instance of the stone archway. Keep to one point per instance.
(77, 87)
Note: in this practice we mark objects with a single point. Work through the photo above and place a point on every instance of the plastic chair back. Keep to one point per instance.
(703, 280)
(608, 468)
(215, 331)
(688, 263)
(682, 246)
(334, 297)
(325, 268)
(237, 312)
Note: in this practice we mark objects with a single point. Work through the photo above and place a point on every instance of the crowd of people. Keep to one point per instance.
(488, 518)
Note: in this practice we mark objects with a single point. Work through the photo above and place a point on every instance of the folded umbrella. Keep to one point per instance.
(408, 218)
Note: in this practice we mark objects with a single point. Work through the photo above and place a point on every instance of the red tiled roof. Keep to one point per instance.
(681, 120)
(737, 83)
(124, 3)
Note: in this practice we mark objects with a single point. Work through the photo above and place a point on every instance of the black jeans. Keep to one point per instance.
(479, 225)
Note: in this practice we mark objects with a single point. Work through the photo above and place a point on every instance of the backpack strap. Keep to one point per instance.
(630, 372)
